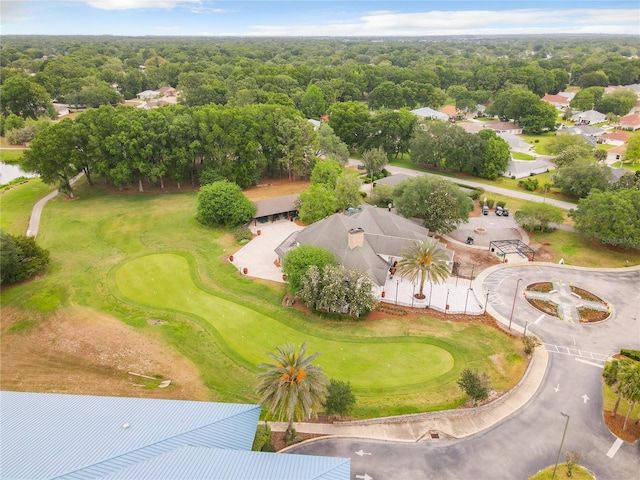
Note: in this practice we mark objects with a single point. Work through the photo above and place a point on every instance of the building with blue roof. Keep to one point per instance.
(47, 436)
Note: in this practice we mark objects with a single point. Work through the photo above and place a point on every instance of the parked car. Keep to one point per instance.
(485, 210)
(502, 211)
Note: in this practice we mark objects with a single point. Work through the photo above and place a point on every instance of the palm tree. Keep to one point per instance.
(613, 374)
(630, 388)
(292, 387)
(424, 260)
(600, 155)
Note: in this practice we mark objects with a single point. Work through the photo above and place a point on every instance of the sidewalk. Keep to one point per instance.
(459, 423)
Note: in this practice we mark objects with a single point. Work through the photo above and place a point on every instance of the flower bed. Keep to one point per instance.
(586, 295)
(545, 306)
(590, 315)
(545, 287)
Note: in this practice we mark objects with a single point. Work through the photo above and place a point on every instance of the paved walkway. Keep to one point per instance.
(259, 256)
(36, 212)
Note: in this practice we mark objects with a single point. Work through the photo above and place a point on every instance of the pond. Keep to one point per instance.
(9, 171)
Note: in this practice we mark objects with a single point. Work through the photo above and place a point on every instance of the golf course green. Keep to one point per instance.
(164, 281)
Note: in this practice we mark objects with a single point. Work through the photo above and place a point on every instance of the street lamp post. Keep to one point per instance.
(566, 424)
(446, 303)
(485, 304)
(526, 324)
(515, 295)
(466, 300)
(397, 285)
(413, 293)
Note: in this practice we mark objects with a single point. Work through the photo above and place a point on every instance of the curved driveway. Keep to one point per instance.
(528, 440)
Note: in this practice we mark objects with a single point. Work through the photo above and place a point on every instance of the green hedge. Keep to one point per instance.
(632, 354)
(262, 438)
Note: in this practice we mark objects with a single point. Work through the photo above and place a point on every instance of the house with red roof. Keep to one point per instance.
(559, 101)
(450, 110)
(615, 154)
(615, 138)
(630, 122)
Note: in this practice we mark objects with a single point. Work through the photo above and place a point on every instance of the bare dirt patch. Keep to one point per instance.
(615, 424)
(80, 351)
(471, 260)
(272, 188)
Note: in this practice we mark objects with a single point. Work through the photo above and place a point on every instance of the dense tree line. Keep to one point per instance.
(127, 145)
(393, 74)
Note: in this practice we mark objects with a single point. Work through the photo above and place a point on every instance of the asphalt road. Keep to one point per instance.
(529, 440)
(489, 188)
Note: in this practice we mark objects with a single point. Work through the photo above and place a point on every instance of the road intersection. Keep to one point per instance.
(528, 439)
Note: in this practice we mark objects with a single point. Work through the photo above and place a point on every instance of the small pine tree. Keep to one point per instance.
(475, 384)
(340, 398)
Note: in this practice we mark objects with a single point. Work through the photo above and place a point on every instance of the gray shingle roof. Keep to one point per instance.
(272, 206)
(385, 235)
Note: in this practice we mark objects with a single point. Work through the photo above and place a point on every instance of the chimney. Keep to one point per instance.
(356, 237)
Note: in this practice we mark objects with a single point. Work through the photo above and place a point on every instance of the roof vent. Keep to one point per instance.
(125, 425)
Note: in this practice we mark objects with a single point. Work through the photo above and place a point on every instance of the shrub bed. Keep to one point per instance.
(586, 295)
(545, 287)
(545, 306)
(590, 315)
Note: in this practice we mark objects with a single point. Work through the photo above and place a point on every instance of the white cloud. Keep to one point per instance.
(137, 4)
(477, 22)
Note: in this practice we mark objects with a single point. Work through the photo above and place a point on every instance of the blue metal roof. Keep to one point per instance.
(53, 435)
(194, 462)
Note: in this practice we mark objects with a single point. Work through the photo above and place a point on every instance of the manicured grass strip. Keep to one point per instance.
(164, 281)
(16, 205)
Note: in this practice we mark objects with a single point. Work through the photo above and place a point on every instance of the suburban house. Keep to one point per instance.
(50, 435)
(61, 110)
(426, 112)
(167, 91)
(559, 101)
(616, 154)
(525, 168)
(369, 239)
(630, 122)
(450, 110)
(148, 95)
(516, 143)
(278, 208)
(470, 127)
(504, 127)
(615, 138)
(314, 122)
(585, 130)
(590, 116)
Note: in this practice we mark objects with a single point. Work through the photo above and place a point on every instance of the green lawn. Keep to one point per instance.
(577, 250)
(141, 256)
(17, 202)
(10, 156)
(539, 142)
(522, 156)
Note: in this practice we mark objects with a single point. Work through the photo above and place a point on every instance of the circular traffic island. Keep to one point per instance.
(567, 302)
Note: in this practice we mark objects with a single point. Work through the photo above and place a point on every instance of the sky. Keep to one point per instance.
(315, 18)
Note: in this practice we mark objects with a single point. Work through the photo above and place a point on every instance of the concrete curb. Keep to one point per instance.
(459, 423)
